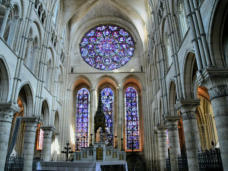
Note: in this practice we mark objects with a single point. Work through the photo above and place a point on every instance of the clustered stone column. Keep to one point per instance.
(6, 116)
(220, 108)
(218, 91)
(188, 111)
(174, 147)
(162, 142)
(29, 141)
(93, 110)
(120, 119)
(46, 151)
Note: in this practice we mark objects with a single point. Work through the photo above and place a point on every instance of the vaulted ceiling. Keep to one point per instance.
(78, 12)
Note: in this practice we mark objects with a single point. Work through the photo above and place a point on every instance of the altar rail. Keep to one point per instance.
(208, 161)
(14, 164)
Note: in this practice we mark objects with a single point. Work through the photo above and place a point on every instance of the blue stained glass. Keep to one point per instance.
(107, 98)
(108, 43)
(82, 108)
(132, 119)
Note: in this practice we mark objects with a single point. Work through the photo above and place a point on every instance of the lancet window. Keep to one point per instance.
(82, 117)
(107, 98)
(132, 120)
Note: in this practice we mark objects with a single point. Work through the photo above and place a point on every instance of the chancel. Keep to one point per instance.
(106, 85)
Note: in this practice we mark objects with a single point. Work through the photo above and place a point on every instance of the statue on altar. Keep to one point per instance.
(99, 136)
(99, 122)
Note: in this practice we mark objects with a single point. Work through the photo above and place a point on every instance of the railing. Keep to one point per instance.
(182, 164)
(14, 164)
(208, 161)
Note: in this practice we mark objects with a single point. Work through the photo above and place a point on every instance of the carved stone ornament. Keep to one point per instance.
(216, 80)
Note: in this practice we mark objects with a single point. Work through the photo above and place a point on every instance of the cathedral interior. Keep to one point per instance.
(106, 85)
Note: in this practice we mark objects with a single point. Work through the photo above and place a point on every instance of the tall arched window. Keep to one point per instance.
(82, 117)
(168, 49)
(107, 98)
(132, 120)
(182, 19)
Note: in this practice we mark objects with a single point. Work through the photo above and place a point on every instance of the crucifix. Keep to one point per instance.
(67, 151)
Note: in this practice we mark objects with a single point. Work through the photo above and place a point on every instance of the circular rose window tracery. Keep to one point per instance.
(107, 47)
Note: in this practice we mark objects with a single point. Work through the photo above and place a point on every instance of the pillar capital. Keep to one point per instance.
(171, 122)
(161, 128)
(7, 110)
(188, 108)
(188, 105)
(48, 128)
(8, 107)
(32, 119)
(216, 81)
(48, 131)
(172, 118)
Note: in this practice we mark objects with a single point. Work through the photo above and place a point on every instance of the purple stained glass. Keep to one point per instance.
(107, 47)
(107, 98)
(132, 119)
(82, 108)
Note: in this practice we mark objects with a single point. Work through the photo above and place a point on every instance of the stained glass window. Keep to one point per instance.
(107, 98)
(82, 110)
(132, 119)
(107, 47)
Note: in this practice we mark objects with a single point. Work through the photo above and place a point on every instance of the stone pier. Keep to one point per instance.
(6, 116)
(191, 133)
(174, 145)
(29, 141)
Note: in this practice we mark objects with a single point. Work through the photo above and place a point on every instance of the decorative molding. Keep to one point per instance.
(48, 129)
(187, 105)
(172, 118)
(216, 81)
(34, 119)
(8, 108)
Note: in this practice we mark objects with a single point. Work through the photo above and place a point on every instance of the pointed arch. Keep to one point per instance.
(107, 80)
(189, 76)
(45, 113)
(218, 39)
(183, 26)
(133, 118)
(82, 117)
(56, 121)
(172, 98)
(4, 82)
(26, 95)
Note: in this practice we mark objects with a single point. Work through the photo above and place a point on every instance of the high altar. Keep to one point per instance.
(97, 157)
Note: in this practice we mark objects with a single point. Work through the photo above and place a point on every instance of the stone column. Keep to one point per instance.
(93, 102)
(174, 146)
(217, 84)
(191, 133)
(46, 151)
(29, 141)
(163, 150)
(6, 116)
(220, 108)
(120, 118)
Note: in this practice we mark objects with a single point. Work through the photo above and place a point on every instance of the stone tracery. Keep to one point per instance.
(107, 47)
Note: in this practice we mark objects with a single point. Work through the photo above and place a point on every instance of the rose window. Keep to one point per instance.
(107, 47)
